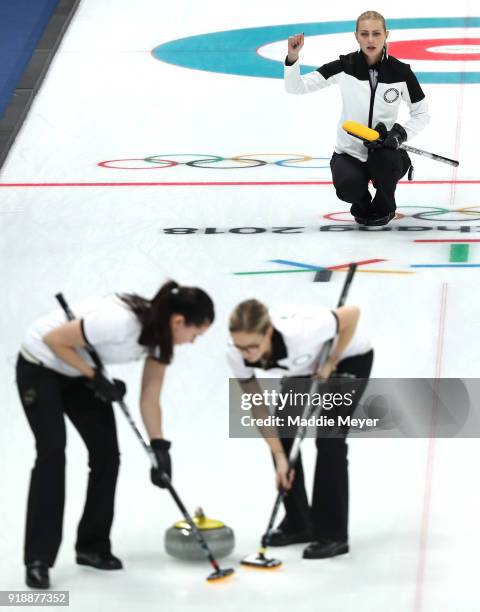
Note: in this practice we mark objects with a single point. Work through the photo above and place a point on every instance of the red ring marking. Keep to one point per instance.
(418, 49)
(331, 216)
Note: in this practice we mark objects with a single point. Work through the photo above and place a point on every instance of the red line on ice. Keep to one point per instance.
(219, 183)
(427, 496)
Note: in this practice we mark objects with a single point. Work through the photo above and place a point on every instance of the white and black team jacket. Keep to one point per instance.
(299, 333)
(107, 323)
(370, 94)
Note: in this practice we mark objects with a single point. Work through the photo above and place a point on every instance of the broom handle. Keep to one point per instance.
(302, 430)
(434, 156)
(99, 364)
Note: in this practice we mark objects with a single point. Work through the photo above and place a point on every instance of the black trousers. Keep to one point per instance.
(384, 167)
(328, 514)
(46, 397)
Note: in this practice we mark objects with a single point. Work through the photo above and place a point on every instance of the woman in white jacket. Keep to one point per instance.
(286, 341)
(372, 84)
(57, 378)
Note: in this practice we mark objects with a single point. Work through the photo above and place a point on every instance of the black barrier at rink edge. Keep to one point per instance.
(388, 408)
(33, 75)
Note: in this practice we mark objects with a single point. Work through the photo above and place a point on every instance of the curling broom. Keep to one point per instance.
(367, 134)
(260, 560)
(218, 573)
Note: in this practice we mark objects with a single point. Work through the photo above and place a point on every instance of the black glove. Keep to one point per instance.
(108, 391)
(161, 447)
(388, 139)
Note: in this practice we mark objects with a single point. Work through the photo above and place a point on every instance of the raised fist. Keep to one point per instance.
(295, 44)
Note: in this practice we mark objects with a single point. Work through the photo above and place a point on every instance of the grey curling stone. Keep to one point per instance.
(181, 543)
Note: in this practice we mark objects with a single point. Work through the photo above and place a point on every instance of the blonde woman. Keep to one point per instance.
(286, 341)
(372, 84)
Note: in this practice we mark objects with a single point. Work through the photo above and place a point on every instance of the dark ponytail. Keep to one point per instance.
(154, 315)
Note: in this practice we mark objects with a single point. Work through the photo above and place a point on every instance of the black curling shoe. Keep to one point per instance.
(37, 575)
(381, 220)
(361, 220)
(282, 537)
(323, 549)
(103, 561)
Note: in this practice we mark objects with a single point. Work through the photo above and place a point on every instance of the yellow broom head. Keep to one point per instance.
(360, 131)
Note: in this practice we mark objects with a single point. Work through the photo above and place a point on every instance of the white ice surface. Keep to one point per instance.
(105, 97)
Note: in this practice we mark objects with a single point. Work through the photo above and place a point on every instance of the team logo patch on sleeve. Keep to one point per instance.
(391, 95)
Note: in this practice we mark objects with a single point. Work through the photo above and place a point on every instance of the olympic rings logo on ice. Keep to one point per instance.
(425, 213)
(216, 162)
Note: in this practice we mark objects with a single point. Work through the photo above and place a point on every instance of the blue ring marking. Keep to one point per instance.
(235, 51)
(445, 266)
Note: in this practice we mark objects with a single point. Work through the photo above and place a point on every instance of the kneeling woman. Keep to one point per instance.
(373, 84)
(287, 341)
(56, 377)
